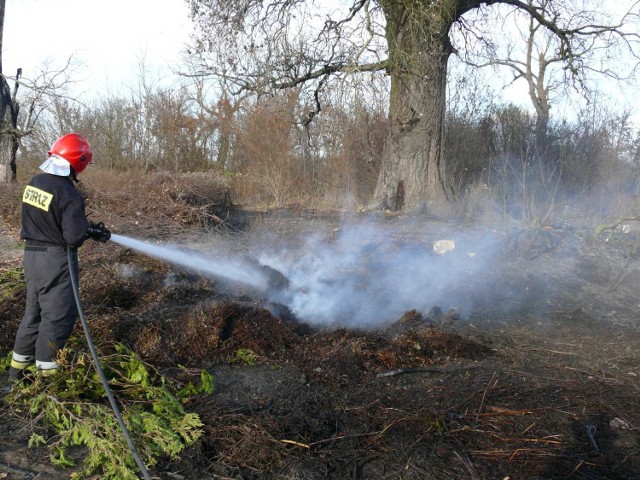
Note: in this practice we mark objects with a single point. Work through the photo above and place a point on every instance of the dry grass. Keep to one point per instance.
(161, 203)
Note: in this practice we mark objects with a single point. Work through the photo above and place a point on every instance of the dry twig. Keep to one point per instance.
(434, 369)
(484, 396)
(468, 465)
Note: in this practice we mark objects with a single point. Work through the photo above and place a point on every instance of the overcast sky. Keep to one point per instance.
(108, 37)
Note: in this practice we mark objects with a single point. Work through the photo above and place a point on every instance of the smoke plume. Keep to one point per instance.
(365, 277)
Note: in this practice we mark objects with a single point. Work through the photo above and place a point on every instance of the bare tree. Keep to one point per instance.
(540, 60)
(8, 116)
(18, 117)
(217, 116)
(279, 44)
(40, 97)
(264, 149)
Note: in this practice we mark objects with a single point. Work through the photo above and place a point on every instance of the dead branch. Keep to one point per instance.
(616, 224)
(468, 465)
(434, 369)
(484, 395)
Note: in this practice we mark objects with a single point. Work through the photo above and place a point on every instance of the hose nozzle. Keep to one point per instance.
(98, 232)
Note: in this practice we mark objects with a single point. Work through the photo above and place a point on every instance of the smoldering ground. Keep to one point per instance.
(348, 393)
(365, 274)
(363, 277)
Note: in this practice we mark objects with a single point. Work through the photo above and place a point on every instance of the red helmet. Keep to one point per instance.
(74, 149)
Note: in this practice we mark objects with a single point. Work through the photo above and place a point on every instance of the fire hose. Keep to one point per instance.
(98, 232)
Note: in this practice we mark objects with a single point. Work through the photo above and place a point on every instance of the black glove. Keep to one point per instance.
(98, 232)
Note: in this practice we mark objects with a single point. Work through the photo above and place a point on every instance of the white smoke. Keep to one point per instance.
(357, 276)
(364, 277)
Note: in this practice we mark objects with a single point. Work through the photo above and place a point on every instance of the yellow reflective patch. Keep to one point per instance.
(37, 198)
(20, 365)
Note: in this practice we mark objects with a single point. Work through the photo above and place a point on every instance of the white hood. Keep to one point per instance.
(56, 165)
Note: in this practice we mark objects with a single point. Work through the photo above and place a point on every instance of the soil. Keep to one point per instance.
(533, 376)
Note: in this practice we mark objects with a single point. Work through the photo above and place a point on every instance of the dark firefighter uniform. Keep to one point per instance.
(53, 220)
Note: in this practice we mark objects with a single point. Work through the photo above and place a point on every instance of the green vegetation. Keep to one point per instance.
(73, 406)
(5, 362)
(244, 356)
(11, 281)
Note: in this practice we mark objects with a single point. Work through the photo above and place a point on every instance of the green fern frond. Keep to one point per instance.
(72, 406)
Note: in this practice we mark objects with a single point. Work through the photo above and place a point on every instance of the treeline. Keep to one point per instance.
(591, 163)
(272, 154)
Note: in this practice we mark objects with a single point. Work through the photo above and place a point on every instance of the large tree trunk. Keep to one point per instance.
(8, 118)
(5, 160)
(9, 130)
(8, 154)
(413, 173)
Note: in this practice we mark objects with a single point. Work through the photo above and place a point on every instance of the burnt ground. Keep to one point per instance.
(535, 376)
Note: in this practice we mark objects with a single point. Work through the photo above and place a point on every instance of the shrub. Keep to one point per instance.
(73, 406)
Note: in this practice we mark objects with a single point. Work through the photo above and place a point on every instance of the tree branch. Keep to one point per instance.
(329, 70)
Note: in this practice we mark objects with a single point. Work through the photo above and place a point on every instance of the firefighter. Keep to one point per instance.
(53, 223)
